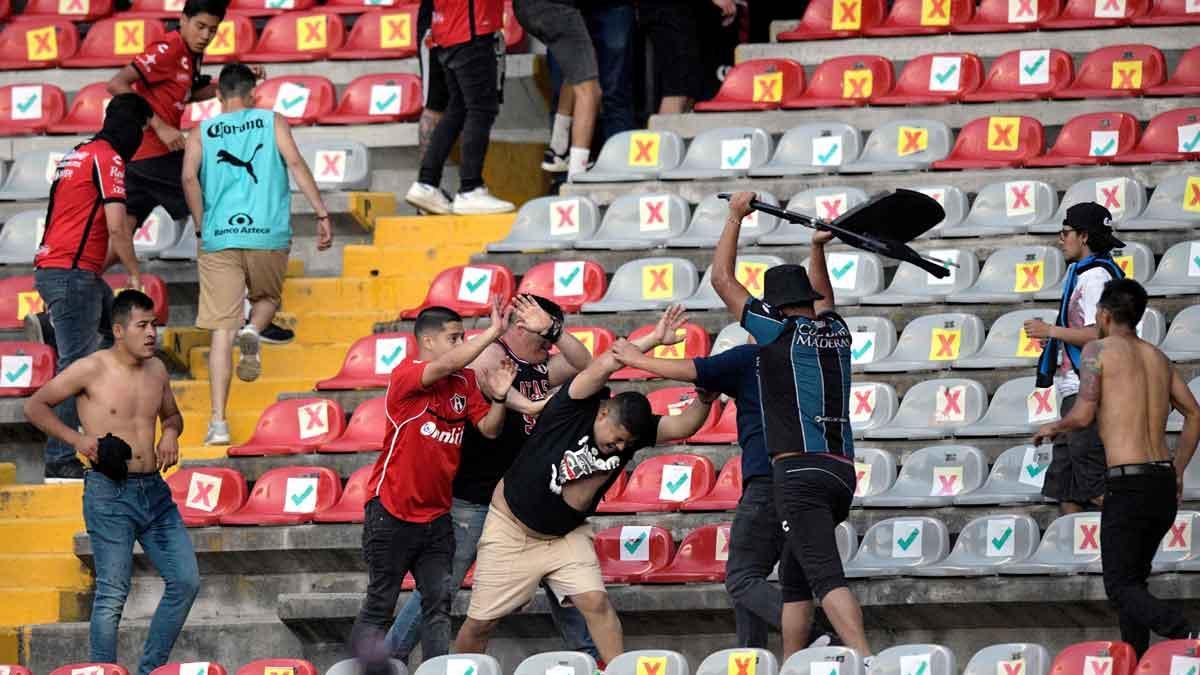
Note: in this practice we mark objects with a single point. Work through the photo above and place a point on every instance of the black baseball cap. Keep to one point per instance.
(1096, 220)
(112, 453)
(788, 285)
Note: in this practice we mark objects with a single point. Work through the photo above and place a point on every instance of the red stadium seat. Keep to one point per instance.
(724, 431)
(154, 9)
(995, 142)
(1173, 136)
(1091, 139)
(91, 669)
(5, 12)
(628, 554)
(45, 43)
(18, 298)
(924, 17)
(24, 367)
(278, 667)
(152, 285)
(292, 427)
(298, 36)
(84, 11)
(367, 367)
(570, 283)
(365, 431)
(597, 339)
(14, 669)
(381, 34)
(175, 669)
(349, 509)
(1004, 16)
(361, 6)
(514, 33)
(235, 38)
(759, 84)
(256, 8)
(931, 79)
(205, 494)
(664, 482)
(696, 344)
(829, 19)
(86, 115)
(1185, 80)
(614, 491)
(1073, 659)
(467, 289)
(1120, 70)
(199, 111)
(299, 98)
(114, 42)
(844, 82)
(700, 558)
(288, 495)
(1097, 14)
(1169, 12)
(726, 492)
(378, 99)
(1024, 75)
(30, 108)
(1157, 659)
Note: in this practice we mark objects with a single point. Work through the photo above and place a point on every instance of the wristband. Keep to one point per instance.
(554, 332)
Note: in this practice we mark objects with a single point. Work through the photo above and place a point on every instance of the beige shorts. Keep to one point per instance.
(229, 276)
(511, 564)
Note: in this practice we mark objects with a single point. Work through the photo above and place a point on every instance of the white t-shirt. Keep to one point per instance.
(1081, 313)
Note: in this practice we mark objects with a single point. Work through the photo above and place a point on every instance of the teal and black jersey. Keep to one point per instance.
(803, 379)
(247, 203)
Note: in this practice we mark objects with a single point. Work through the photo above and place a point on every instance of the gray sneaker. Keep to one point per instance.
(218, 433)
(249, 365)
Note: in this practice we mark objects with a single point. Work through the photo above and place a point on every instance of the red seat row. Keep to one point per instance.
(647, 554)
(25, 367)
(18, 298)
(94, 10)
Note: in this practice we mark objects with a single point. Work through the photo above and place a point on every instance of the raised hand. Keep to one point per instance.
(625, 352)
(822, 237)
(739, 205)
(530, 315)
(666, 331)
(500, 378)
(499, 316)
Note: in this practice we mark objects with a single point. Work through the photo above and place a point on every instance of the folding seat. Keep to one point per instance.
(750, 270)
(288, 495)
(872, 406)
(664, 482)
(1124, 197)
(30, 176)
(1091, 139)
(1004, 16)
(378, 99)
(1096, 14)
(1119, 70)
(1135, 260)
(550, 224)
(30, 108)
(984, 544)
(953, 202)
(853, 275)
(813, 148)
(933, 409)
(352, 666)
(933, 79)
(292, 427)
(1011, 207)
(158, 232)
(282, 667)
(1103, 656)
(31, 45)
(1175, 424)
(738, 660)
(1007, 345)
(727, 490)
(932, 342)
(235, 37)
(632, 156)
(1167, 655)
(1013, 274)
(205, 494)
(353, 502)
(86, 114)
(723, 153)
(1175, 205)
(1024, 75)
(757, 84)
(1182, 342)
(844, 82)
(912, 285)
(994, 143)
(370, 360)
(874, 340)
(337, 165)
(1178, 271)
(933, 477)
(84, 11)
(1183, 82)
(1017, 409)
(644, 661)
(114, 42)
(893, 546)
(700, 558)
(556, 663)
(153, 286)
(875, 471)
(90, 669)
(729, 337)
(18, 298)
(1068, 546)
(301, 99)
(467, 289)
(708, 221)
(647, 284)
(1016, 478)
(1172, 136)
(25, 367)
(630, 552)
(381, 34)
(1177, 552)
(297, 36)
(639, 221)
(903, 145)
(839, 660)
(923, 17)
(187, 248)
(1023, 658)
(271, 8)
(826, 203)
(570, 283)
(21, 236)
(831, 19)
(366, 430)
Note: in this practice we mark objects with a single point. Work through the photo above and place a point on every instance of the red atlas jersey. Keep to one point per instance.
(76, 234)
(414, 473)
(452, 20)
(167, 71)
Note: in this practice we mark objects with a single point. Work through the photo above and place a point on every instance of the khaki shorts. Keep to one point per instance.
(229, 276)
(511, 564)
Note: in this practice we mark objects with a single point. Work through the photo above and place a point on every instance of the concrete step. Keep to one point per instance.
(242, 421)
(462, 230)
(45, 570)
(291, 361)
(409, 263)
(8, 473)
(43, 535)
(308, 296)
(337, 326)
(193, 395)
(23, 502)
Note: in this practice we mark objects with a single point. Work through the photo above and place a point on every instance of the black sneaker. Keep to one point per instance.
(64, 472)
(277, 335)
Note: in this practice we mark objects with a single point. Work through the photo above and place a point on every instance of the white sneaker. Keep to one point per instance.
(218, 433)
(553, 162)
(480, 201)
(428, 198)
(249, 365)
(868, 661)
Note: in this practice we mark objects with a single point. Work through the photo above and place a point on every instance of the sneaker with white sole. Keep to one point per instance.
(428, 198)
(218, 433)
(479, 201)
(552, 162)
(249, 365)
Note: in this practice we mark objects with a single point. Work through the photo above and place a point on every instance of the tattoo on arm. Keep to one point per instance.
(1091, 370)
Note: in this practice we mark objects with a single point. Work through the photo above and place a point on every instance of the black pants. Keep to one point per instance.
(755, 543)
(392, 548)
(156, 181)
(812, 494)
(473, 72)
(1138, 512)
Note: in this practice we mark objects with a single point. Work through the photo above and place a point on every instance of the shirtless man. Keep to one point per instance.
(1130, 386)
(124, 391)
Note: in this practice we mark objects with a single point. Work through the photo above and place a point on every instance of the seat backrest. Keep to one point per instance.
(31, 174)
(739, 661)
(158, 232)
(1100, 656)
(824, 661)
(641, 152)
(949, 402)
(303, 32)
(1021, 464)
(31, 106)
(1175, 198)
(910, 279)
(917, 140)
(873, 338)
(708, 218)
(671, 478)
(460, 664)
(1185, 329)
(1179, 265)
(1019, 401)
(762, 81)
(391, 30)
(996, 539)
(1136, 260)
(942, 471)
(952, 200)
(1124, 197)
(1177, 544)
(1132, 66)
(940, 337)
(1170, 656)
(382, 95)
(853, 274)
(655, 217)
(90, 669)
(1007, 338)
(354, 666)
(299, 421)
(951, 73)
(706, 547)
(657, 279)
(373, 357)
(875, 470)
(1006, 138)
(1172, 131)
(903, 542)
(295, 489)
(1039, 71)
(25, 367)
(75, 10)
(850, 16)
(749, 270)
(1014, 658)
(557, 663)
(38, 42)
(1073, 538)
(1020, 269)
(570, 283)
(1153, 326)
(468, 289)
(649, 662)
(207, 490)
(1187, 70)
(826, 203)
(633, 550)
(556, 219)
(729, 149)
(1016, 13)
(152, 285)
(856, 77)
(120, 37)
(17, 299)
(597, 339)
(1017, 203)
(1097, 135)
(1121, 10)
(296, 97)
(732, 335)
(235, 36)
(88, 106)
(872, 405)
(337, 164)
(819, 144)
(278, 667)
(21, 236)
(927, 659)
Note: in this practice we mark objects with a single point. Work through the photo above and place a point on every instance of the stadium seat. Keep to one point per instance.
(359, 7)
(893, 546)
(750, 270)
(983, 545)
(381, 34)
(757, 84)
(472, 664)
(923, 17)
(831, 19)
(933, 409)
(84, 11)
(365, 431)
(1172, 136)
(836, 660)
(114, 42)
(953, 202)
(1016, 478)
(293, 427)
(708, 221)
(1175, 205)
(700, 558)
(934, 79)
(729, 337)
(1125, 198)
(301, 99)
(153, 9)
(261, 8)
(467, 289)
(646, 661)
(1178, 271)
(1096, 14)
(1182, 342)
(844, 82)
(21, 236)
(1012, 274)
(1006, 345)
(1119, 70)
(1018, 408)
(826, 203)
(570, 283)
(1075, 659)
(1167, 13)
(932, 342)
(556, 663)
(872, 406)
(912, 285)
(279, 667)
(597, 339)
(235, 38)
(664, 482)
(723, 153)
(1184, 81)
(157, 233)
(722, 432)
(853, 275)
(1068, 546)
(378, 99)
(1019, 658)
(352, 666)
(90, 669)
(24, 367)
(873, 340)
(903, 145)
(1005, 16)
(336, 165)
(928, 659)
(875, 473)
(632, 156)
(204, 494)
(27, 109)
(297, 36)
(350, 508)
(199, 111)
(630, 552)
(1136, 260)
(727, 490)
(370, 360)
(153, 286)
(738, 660)
(1024, 74)
(187, 248)
(1191, 475)
(639, 221)
(30, 175)
(44, 43)
(1091, 139)
(813, 148)
(647, 284)
(1177, 550)
(18, 298)
(550, 224)
(1011, 207)
(514, 32)
(1161, 655)
(994, 143)
(1153, 327)
(287, 496)
(932, 477)
(86, 114)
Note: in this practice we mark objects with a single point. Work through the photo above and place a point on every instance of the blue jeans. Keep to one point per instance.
(80, 307)
(117, 515)
(468, 521)
(612, 31)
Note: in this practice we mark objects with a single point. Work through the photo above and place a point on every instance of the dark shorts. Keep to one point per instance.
(562, 29)
(434, 94)
(812, 495)
(675, 38)
(1076, 472)
(157, 181)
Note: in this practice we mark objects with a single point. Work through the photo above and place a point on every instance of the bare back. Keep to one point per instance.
(1135, 398)
(125, 401)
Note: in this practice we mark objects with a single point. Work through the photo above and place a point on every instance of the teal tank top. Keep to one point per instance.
(246, 199)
